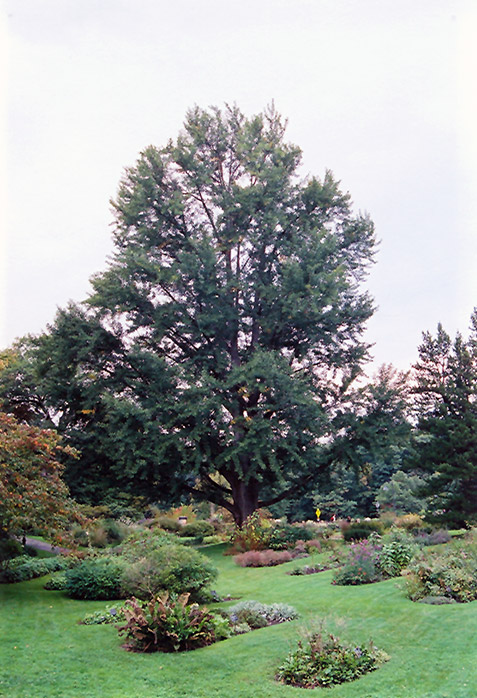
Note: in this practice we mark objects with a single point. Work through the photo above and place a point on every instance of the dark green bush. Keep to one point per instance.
(361, 530)
(9, 548)
(96, 579)
(197, 529)
(323, 660)
(174, 568)
(143, 543)
(56, 583)
(167, 523)
(285, 536)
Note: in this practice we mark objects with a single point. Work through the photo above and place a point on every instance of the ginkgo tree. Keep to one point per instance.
(235, 295)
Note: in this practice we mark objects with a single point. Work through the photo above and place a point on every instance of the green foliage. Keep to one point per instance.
(445, 448)
(235, 291)
(197, 529)
(9, 548)
(106, 616)
(399, 494)
(394, 557)
(323, 660)
(174, 568)
(451, 574)
(21, 569)
(56, 583)
(167, 523)
(360, 530)
(143, 543)
(167, 624)
(96, 579)
(285, 536)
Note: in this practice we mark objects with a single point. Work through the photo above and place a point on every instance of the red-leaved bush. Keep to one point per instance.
(263, 558)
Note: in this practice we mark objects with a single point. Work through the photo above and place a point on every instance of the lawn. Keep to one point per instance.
(44, 652)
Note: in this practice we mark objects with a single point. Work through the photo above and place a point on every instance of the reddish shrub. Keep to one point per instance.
(263, 558)
(313, 545)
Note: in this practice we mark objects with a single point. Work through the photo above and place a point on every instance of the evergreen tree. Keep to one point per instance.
(446, 438)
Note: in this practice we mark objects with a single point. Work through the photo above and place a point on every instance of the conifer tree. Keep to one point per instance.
(446, 438)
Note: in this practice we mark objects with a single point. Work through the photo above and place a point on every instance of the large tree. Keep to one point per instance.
(446, 437)
(232, 314)
(237, 286)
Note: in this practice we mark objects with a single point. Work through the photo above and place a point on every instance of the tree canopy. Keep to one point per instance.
(216, 351)
(446, 438)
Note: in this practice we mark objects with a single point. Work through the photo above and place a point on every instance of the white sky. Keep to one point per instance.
(382, 92)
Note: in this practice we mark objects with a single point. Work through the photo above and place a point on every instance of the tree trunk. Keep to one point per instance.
(245, 499)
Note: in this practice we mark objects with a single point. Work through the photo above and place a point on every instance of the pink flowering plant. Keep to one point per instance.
(360, 566)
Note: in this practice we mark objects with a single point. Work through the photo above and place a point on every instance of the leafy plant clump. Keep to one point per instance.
(172, 568)
(110, 614)
(451, 574)
(167, 624)
(394, 557)
(258, 615)
(99, 578)
(23, 568)
(323, 660)
(56, 583)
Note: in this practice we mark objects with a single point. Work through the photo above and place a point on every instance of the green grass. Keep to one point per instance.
(44, 653)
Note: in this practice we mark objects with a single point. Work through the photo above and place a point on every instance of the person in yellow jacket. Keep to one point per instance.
(318, 513)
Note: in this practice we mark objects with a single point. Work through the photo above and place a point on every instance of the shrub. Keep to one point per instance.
(167, 624)
(56, 583)
(167, 523)
(452, 574)
(9, 548)
(361, 530)
(361, 566)
(212, 540)
(323, 660)
(286, 536)
(394, 557)
(410, 522)
(197, 529)
(174, 568)
(96, 579)
(22, 569)
(263, 558)
(143, 543)
(252, 536)
(314, 545)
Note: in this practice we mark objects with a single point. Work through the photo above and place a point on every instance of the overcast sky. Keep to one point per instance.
(382, 92)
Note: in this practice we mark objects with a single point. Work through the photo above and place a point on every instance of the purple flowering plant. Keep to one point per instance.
(360, 565)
